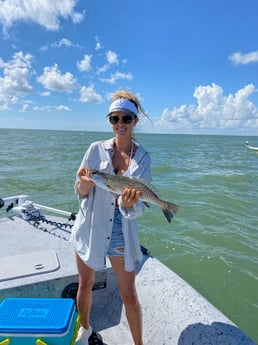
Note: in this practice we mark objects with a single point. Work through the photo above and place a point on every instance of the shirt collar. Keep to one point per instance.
(108, 144)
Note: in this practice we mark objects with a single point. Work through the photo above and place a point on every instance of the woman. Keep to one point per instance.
(111, 230)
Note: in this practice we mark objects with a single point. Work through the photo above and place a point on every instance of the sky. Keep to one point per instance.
(192, 63)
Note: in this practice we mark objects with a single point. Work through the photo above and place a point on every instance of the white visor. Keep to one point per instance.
(124, 105)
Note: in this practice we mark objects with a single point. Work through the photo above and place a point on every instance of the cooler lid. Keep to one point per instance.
(36, 315)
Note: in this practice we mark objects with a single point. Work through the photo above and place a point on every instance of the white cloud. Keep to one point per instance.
(46, 13)
(52, 79)
(117, 76)
(48, 108)
(15, 80)
(63, 108)
(112, 57)
(64, 42)
(24, 108)
(45, 94)
(214, 110)
(244, 59)
(103, 69)
(85, 64)
(88, 94)
(98, 43)
(51, 108)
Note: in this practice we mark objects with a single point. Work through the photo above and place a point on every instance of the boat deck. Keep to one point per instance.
(37, 260)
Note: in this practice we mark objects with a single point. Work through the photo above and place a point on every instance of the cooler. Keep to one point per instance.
(40, 321)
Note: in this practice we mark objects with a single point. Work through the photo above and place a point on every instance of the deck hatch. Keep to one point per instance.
(28, 264)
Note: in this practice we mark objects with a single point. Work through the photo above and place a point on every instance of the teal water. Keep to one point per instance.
(213, 241)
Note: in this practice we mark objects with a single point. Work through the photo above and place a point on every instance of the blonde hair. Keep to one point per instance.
(130, 97)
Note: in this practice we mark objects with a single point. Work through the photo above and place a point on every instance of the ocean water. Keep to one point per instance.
(213, 241)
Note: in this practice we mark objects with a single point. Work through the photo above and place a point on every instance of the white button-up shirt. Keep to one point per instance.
(92, 230)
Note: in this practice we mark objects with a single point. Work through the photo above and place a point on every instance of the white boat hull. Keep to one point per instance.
(173, 312)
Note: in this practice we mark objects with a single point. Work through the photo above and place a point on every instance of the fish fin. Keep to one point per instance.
(146, 204)
(170, 210)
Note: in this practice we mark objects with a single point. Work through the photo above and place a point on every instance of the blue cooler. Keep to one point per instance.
(40, 321)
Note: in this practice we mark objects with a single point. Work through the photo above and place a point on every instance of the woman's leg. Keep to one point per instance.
(84, 294)
(126, 284)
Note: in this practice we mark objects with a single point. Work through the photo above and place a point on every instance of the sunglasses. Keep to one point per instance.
(127, 119)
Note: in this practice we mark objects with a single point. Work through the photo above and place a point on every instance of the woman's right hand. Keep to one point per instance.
(85, 183)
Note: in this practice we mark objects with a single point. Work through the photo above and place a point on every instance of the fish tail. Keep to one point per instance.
(169, 209)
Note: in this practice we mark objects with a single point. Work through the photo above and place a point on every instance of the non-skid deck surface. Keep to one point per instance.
(173, 312)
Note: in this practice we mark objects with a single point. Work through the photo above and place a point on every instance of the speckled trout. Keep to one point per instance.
(116, 184)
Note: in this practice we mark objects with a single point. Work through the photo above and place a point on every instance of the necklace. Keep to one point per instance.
(130, 158)
(129, 149)
(126, 150)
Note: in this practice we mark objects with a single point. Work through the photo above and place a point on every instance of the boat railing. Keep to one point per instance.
(22, 206)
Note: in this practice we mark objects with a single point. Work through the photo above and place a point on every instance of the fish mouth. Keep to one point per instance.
(95, 175)
(94, 172)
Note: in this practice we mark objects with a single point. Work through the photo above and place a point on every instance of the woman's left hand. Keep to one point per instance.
(130, 196)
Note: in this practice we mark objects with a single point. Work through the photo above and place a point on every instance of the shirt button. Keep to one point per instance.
(110, 219)
(108, 238)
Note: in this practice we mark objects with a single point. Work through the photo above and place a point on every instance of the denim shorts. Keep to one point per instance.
(117, 238)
